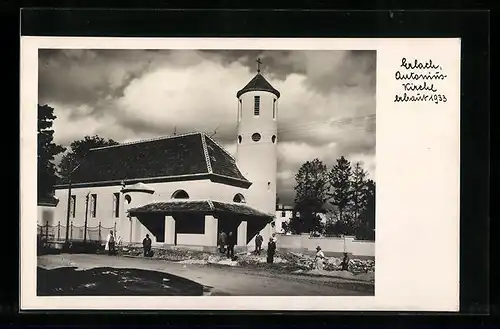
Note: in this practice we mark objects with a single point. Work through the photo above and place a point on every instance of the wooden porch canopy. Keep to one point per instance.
(207, 207)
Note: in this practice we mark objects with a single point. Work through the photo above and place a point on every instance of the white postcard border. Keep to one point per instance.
(417, 159)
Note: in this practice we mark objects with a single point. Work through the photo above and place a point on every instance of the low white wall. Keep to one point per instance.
(192, 239)
(328, 244)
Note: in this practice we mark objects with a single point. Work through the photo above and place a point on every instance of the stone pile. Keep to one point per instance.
(361, 266)
(284, 261)
(251, 258)
(174, 255)
(333, 264)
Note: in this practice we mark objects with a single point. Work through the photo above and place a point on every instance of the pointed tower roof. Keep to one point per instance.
(258, 83)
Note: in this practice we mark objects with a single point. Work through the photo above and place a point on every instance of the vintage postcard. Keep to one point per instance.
(240, 174)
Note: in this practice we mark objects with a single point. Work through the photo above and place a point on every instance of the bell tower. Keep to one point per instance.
(256, 152)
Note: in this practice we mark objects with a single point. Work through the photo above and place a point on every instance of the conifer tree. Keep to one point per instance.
(341, 191)
(311, 187)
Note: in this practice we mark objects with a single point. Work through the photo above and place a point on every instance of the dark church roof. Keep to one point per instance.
(176, 157)
(258, 83)
(198, 206)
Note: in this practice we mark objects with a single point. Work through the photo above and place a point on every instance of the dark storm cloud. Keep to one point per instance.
(85, 77)
(355, 69)
(273, 64)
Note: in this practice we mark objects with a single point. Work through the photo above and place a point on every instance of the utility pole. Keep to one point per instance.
(86, 217)
(68, 212)
(215, 131)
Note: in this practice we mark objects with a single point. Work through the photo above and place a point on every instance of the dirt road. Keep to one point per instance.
(220, 280)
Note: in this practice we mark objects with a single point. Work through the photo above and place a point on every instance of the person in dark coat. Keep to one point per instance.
(258, 243)
(222, 242)
(231, 242)
(271, 249)
(146, 244)
(345, 262)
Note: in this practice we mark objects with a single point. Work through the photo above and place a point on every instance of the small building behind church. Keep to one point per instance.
(283, 215)
(182, 190)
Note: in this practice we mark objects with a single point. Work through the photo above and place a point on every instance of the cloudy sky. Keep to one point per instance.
(326, 109)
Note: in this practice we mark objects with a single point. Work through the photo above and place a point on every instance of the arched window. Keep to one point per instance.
(180, 194)
(239, 139)
(273, 139)
(256, 137)
(239, 198)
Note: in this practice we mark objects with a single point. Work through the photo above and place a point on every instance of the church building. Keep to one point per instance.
(183, 190)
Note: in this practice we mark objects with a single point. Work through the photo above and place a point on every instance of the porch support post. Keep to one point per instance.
(211, 234)
(242, 234)
(169, 230)
(266, 234)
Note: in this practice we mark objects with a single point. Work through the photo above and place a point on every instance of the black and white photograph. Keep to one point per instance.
(206, 172)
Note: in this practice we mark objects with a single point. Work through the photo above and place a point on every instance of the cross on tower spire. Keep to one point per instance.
(258, 64)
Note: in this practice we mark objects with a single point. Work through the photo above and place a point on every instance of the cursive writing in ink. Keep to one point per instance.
(420, 82)
(410, 86)
(418, 65)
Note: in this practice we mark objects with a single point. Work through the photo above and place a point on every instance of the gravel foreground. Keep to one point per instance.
(284, 262)
(90, 274)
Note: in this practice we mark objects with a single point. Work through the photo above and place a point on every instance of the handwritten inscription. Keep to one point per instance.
(420, 82)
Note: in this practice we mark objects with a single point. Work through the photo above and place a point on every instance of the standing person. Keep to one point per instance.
(231, 242)
(258, 243)
(271, 249)
(146, 244)
(110, 243)
(319, 259)
(222, 242)
(345, 262)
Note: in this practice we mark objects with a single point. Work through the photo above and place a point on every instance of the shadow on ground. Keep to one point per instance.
(105, 281)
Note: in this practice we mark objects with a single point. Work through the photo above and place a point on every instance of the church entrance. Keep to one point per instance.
(228, 224)
(155, 224)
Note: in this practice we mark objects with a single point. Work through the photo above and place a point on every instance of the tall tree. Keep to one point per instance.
(365, 229)
(47, 150)
(359, 189)
(79, 149)
(340, 188)
(331, 226)
(311, 187)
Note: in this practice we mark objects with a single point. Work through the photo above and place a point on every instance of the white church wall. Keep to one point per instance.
(201, 189)
(197, 190)
(258, 160)
(104, 205)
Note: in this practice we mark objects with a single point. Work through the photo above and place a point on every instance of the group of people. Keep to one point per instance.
(226, 245)
(319, 260)
(227, 242)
